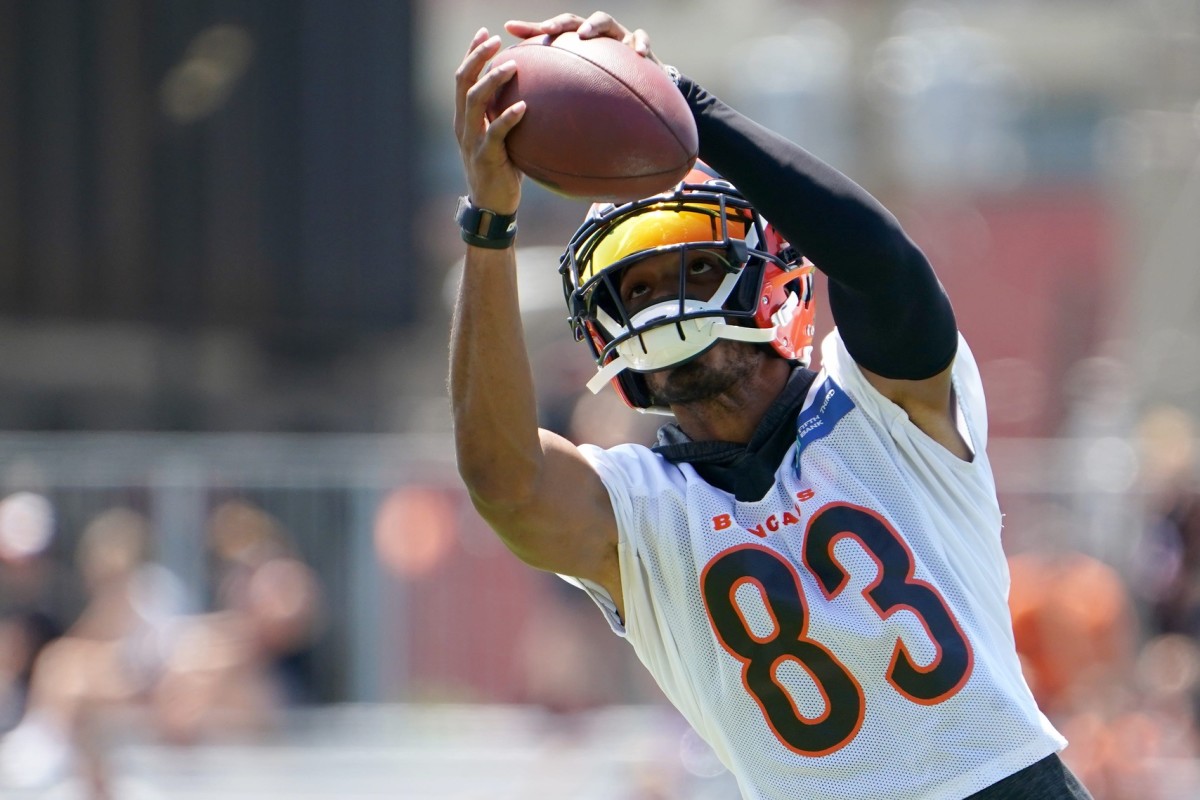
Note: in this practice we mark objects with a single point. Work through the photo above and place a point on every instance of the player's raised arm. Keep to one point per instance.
(533, 487)
(891, 311)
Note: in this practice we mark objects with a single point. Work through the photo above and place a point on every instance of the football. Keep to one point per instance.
(602, 123)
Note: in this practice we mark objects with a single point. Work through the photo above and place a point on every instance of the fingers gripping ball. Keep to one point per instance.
(601, 122)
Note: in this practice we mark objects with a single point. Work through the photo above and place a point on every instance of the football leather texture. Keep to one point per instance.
(601, 123)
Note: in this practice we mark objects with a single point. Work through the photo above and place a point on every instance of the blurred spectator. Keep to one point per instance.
(23, 634)
(30, 578)
(1075, 630)
(1144, 749)
(36, 596)
(1127, 711)
(233, 669)
(134, 656)
(259, 578)
(1169, 571)
(110, 657)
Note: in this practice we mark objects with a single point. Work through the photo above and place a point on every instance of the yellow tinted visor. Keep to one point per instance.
(659, 227)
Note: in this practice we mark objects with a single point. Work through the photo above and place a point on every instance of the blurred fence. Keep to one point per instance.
(324, 492)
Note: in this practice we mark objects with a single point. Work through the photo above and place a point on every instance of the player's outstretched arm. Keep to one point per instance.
(895, 317)
(889, 306)
(892, 312)
(534, 488)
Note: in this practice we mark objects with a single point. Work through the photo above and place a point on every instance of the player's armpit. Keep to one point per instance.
(565, 523)
(930, 405)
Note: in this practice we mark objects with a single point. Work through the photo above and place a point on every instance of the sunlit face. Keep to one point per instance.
(719, 369)
(656, 278)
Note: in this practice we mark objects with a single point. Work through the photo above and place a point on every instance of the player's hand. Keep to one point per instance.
(493, 181)
(597, 25)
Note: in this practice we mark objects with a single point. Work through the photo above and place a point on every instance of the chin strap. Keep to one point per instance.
(739, 333)
(605, 374)
(719, 330)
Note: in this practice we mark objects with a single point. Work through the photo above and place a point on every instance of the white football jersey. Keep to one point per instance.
(847, 636)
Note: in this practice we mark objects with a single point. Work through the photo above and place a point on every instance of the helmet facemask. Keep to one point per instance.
(711, 217)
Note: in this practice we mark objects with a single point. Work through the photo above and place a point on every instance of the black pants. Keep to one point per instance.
(1048, 779)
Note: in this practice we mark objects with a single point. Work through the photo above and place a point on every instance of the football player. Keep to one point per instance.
(809, 563)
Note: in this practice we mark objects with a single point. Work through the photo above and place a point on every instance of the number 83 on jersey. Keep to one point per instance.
(894, 588)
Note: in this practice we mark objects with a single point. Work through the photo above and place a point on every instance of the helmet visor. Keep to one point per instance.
(659, 226)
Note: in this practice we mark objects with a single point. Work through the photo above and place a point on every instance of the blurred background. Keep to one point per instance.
(235, 557)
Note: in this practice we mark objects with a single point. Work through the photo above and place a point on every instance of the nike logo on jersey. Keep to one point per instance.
(773, 522)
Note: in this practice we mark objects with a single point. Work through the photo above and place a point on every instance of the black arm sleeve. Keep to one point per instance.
(892, 312)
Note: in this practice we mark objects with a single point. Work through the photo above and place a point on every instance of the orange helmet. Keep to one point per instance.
(765, 296)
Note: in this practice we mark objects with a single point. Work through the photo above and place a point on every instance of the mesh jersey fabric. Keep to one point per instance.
(882, 664)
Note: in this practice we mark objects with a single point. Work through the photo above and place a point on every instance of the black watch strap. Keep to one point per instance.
(482, 227)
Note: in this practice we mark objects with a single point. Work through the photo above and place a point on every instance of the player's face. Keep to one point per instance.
(718, 370)
(655, 278)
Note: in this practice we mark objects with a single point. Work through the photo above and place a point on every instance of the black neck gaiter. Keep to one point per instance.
(745, 470)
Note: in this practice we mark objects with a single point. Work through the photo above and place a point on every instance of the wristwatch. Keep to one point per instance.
(482, 227)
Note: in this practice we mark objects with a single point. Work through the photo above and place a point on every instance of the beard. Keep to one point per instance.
(710, 375)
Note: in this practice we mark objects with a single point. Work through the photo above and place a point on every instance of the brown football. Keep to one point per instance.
(601, 122)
